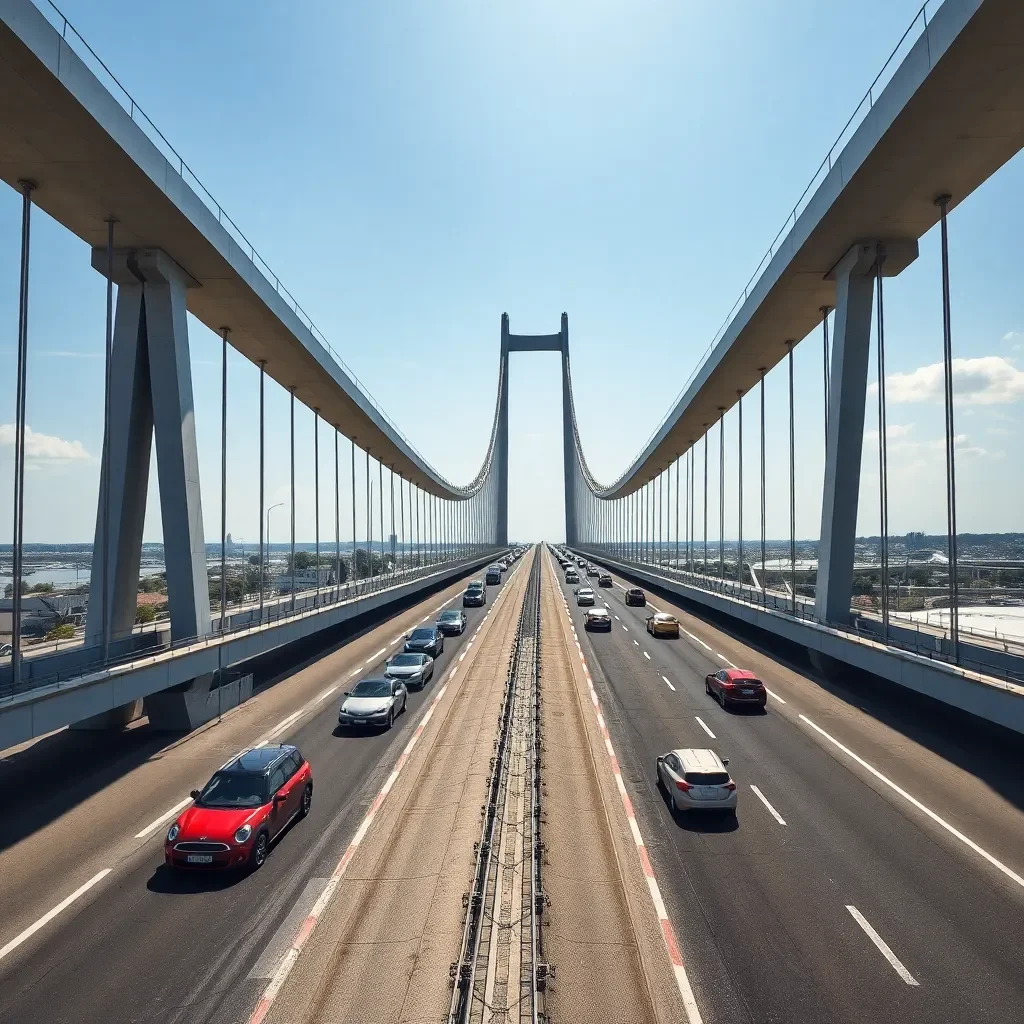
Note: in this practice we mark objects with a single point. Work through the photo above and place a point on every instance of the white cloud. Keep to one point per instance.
(893, 431)
(985, 380)
(43, 447)
(903, 447)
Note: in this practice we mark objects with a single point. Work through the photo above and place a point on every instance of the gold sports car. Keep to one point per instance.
(663, 624)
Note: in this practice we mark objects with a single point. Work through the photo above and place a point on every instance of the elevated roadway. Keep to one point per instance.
(68, 127)
(862, 800)
(951, 115)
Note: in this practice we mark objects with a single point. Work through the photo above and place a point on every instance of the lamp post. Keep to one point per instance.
(269, 510)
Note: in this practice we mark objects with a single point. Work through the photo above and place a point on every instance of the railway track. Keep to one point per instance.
(500, 977)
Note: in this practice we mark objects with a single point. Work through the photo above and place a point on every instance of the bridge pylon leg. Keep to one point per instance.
(854, 275)
(150, 395)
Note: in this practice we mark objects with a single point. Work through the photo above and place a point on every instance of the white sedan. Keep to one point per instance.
(584, 595)
(697, 779)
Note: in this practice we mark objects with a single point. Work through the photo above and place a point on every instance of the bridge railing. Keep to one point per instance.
(804, 609)
(274, 613)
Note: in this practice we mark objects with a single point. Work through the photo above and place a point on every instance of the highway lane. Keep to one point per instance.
(145, 944)
(760, 906)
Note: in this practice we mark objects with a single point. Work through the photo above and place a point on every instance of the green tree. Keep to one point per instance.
(144, 613)
(65, 631)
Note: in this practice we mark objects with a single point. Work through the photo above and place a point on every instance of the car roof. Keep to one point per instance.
(699, 758)
(259, 759)
(741, 673)
(635, 590)
(664, 617)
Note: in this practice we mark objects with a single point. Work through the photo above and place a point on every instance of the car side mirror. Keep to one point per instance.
(660, 759)
(194, 794)
(279, 798)
(347, 693)
(725, 760)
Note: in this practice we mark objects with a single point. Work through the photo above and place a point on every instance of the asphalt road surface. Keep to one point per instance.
(833, 895)
(146, 944)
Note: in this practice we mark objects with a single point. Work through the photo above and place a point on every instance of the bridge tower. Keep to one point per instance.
(535, 343)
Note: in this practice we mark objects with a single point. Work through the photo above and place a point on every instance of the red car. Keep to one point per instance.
(247, 804)
(736, 686)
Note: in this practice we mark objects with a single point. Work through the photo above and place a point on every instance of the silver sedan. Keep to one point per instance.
(413, 669)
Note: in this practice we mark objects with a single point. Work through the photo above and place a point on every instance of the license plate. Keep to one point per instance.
(747, 693)
(199, 858)
(708, 792)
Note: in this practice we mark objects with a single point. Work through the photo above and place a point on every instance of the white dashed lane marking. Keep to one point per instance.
(771, 810)
(700, 722)
(883, 947)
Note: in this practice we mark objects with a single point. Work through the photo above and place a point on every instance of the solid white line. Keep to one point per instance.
(266, 966)
(1009, 872)
(671, 687)
(51, 914)
(698, 640)
(647, 656)
(700, 722)
(775, 695)
(883, 948)
(771, 810)
(153, 825)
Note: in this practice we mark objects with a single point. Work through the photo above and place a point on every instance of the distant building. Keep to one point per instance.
(305, 579)
(39, 612)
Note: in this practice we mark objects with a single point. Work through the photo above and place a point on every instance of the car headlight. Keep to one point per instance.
(242, 835)
(172, 832)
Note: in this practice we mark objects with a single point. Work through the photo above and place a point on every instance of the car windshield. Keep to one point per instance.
(665, 618)
(372, 688)
(707, 778)
(407, 660)
(451, 616)
(421, 634)
(233, 789)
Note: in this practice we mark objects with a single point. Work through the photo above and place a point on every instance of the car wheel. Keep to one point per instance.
(307, 800)
(707, 686)
(722, 700)
(405, 700)
(391, 718)
(259, 851)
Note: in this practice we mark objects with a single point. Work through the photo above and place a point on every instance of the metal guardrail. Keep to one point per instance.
(803, 611)
(272, 617)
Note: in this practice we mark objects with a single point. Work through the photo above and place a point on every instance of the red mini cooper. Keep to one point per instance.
(247, 804)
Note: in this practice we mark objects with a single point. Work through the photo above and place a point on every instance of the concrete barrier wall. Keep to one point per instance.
(983, 696)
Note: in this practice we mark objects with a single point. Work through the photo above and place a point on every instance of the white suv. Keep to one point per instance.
(696, 779)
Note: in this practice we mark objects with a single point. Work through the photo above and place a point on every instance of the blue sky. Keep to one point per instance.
(411, 171)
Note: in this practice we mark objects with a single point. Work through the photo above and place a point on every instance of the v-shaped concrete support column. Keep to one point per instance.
(150, 392)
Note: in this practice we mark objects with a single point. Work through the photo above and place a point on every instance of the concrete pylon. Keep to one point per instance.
(150, 393)
(568, 441)
(851, 346)
(501, 528)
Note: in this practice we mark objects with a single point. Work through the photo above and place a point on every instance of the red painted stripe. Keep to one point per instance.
(304, 932)
(670, 941)
(615, 764)
(629, 807)
(645, 861)
(260, 1012)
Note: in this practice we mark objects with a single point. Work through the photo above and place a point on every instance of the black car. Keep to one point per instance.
(475, 595)
(425, 640)
(493, 576)
(636, 596)
(604, 580)
(452, 622)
